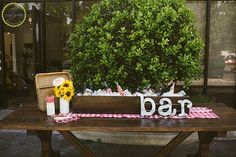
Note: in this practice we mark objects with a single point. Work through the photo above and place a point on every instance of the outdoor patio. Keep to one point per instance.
(87, 52)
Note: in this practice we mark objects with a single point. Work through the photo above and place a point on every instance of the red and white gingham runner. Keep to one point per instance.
(194, 113)
(65, 118)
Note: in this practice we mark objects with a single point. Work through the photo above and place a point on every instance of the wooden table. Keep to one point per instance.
(30, 118)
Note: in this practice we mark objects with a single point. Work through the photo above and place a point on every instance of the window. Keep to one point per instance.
(199, 10)
(222, 41)
(58, 21)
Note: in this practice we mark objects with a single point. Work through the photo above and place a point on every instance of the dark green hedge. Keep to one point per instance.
(136, 42)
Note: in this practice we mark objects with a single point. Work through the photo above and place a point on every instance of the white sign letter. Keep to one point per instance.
(144, 112)
(183, 102)
(166, 104)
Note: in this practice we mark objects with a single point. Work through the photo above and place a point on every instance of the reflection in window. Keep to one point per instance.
(199, 10)
(222, 40)
(58, 26)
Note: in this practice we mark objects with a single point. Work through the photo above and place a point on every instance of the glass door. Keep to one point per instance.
(21, 53)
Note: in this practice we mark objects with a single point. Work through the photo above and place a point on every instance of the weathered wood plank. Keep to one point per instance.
(117, 104)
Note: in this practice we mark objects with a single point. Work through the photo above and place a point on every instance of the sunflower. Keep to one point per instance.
(66, 84)
(68, 93)
(57, 91)
(65, 90)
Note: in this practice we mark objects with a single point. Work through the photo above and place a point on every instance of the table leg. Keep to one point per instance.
(205, 138)
(77, 143)
(46, 148)
(173, 144)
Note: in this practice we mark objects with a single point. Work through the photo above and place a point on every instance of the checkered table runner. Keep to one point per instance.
(194, 113)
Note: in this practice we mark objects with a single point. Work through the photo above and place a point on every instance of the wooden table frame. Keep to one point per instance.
(30, 118)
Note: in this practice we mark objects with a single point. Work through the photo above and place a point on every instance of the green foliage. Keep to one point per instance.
(136, 42)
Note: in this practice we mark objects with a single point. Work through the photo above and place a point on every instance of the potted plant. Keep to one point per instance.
(136, 43)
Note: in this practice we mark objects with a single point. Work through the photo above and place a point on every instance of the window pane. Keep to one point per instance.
(199, 10)
(58, 21)
(223, 40)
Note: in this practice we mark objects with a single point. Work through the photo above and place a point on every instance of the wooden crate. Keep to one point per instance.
(116, 104)
(44, 86)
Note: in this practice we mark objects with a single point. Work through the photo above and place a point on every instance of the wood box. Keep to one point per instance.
(116, 104)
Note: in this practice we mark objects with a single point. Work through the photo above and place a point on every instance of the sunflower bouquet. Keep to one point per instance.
(63, 89)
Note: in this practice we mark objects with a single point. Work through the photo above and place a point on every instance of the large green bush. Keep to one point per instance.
(136, 42)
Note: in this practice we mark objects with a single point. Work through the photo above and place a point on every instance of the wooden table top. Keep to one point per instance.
(30, 118)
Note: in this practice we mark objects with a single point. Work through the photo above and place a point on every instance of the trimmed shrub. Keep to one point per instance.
(136, 43)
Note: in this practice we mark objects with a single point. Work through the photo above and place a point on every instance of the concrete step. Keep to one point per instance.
(137, 138)
(142, 138)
